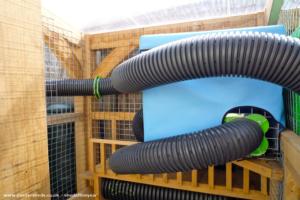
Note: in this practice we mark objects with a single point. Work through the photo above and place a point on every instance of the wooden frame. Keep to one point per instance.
(124, 41)
(268, 171)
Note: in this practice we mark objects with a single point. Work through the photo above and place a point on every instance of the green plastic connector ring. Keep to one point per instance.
(264, 125)
(96, 87)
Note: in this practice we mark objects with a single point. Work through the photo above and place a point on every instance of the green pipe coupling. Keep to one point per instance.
(264, 125)
(96, 87)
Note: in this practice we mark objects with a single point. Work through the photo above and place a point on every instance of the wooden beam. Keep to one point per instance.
(103, 157)
(64, 118)
(117, 142)
(194, 178)
(291, 189)
(257, 166)
(268, 8)
(264, 184)
(179, 178)
(246, 180)
(291, 149)
(98, 41)
(97, 188)
(165, 177)
(229, 176)
(291, 152)
(203, 188)
(112, 115)
(211, 176)
(115, 44)
(115, 57)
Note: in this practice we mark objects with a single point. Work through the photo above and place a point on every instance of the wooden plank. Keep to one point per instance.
(113, 148)
(238, 21)
(117, 44)
(264, 184)
(24, 167)
(229, 176)
(112, 60)
(112, 115)
(117, 142)
(211, 177)
(268, 8)
(165, 177)
(114, 129)
(194, 178)
(179, 178)
(87, 108)
(291, 149)
(103, 158)
(97, 188)
(246, 180)
(257, 166)
(87, 175)
(204, 188)
(64, 118)
(291, 189)
(91, 156)
(80, 152)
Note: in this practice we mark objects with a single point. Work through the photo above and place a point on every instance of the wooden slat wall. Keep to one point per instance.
(23, 132)
(269, 172)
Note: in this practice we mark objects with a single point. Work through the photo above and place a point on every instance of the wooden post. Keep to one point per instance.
(103, 158)
(211, 176)
(114, 129)
(264, 185)
(165, 178)
(179, 178)
(194, 178)
(246, 180)
(229, 176)
(97, 188)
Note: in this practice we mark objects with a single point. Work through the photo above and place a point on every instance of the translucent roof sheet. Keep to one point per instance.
(102, 16)
(290, 4)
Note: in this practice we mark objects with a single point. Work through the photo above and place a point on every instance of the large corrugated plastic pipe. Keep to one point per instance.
(214, 146)
(74, 87)
(269, 57)
(122, 190)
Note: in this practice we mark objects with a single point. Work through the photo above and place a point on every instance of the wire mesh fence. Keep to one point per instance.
(290, 17)
(66, 139)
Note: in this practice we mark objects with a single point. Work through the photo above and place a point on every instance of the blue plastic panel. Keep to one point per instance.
(194, 105)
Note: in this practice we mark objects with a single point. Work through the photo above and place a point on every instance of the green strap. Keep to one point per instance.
(96, 87)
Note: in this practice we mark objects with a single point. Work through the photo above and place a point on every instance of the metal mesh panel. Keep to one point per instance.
(61, 149)
(124, 130)
(63, 60)
(102, 129)
(60, 62)
(290, 17)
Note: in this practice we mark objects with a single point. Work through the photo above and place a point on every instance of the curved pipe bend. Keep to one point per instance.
(214, 146)
(263, 56)
(269, 57)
